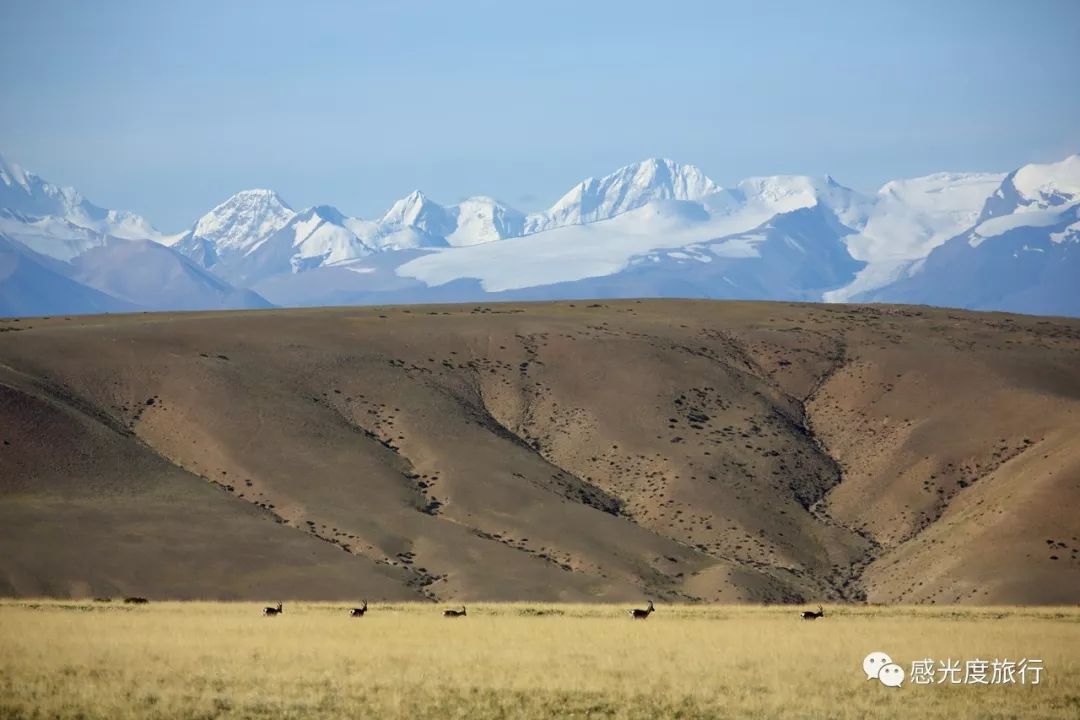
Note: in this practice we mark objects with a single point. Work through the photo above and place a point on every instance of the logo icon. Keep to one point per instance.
(873, 663)
(891, 675)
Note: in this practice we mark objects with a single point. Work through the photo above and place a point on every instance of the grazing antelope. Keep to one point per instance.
(811, 615)
(358, 612)
(454, 613)
(136, 600)
(271, 612)
(639, 614)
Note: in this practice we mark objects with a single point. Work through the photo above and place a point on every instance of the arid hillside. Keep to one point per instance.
(573, 451)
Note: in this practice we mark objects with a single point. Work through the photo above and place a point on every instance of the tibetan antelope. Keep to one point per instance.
(639, 614)
(811, 615)
(271, 612)
(454, 613)
(358, 612)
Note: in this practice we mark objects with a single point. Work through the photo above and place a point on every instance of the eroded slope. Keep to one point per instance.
(684, 450)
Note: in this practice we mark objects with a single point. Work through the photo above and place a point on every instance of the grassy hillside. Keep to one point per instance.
(581, 451)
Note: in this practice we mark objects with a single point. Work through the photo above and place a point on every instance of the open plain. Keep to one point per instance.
(225, 660)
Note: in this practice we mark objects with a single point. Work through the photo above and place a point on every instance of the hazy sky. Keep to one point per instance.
(169, 108)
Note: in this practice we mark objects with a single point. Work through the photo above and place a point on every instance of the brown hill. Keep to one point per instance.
(566, 451)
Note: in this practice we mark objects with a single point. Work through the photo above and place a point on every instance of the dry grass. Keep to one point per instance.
(224, 660)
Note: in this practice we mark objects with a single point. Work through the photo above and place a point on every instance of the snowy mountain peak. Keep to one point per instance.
(626, 189)
(416, 210)
(27, 193)
(1035, 187)
(652, 227)
(909, 219)
(58, 221)
(784, 190)
(787, 193)
(482, 219)
(255, 197)
(12, 174)
(406, 209)
(243, 220)
(1049, 184)
(315, 237)
(653, 179)
(269, 195)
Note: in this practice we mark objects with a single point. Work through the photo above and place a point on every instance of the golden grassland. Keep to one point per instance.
(68, 659)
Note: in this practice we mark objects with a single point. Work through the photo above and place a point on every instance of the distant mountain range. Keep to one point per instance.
(980, 241)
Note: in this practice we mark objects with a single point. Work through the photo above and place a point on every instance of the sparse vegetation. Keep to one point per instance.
(580, 452)
(224, 660)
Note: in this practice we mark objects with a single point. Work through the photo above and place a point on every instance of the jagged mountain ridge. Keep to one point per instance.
(65, 255)
(653, 229)
(25, 193)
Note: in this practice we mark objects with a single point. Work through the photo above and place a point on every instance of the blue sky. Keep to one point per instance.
(168, 108)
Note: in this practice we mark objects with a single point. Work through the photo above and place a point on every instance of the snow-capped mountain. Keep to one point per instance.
(62, 254)
(255, 235)
(1022, 254)
(416, 211)
(483, 219)
(473, 221)
(311, 238)
(909, 218)
(651, 229)
(58, 221)
(628, 188)
(52, 236)
(416, 221)
(637, 208)
(233, 228)
(1034, 188)
(574, 252)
